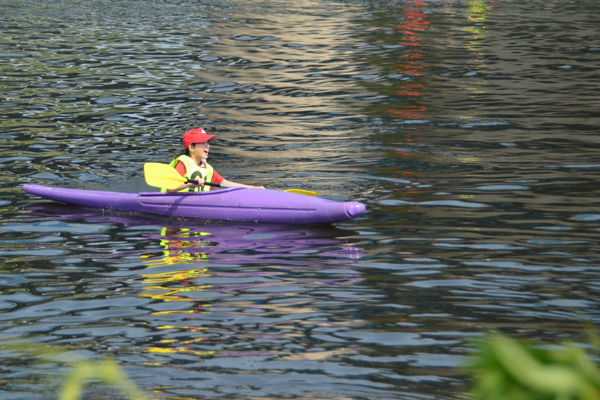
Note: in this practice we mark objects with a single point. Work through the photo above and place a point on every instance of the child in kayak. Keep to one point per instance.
(192, 164)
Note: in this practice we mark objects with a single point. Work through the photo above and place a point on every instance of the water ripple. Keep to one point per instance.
(468, 129)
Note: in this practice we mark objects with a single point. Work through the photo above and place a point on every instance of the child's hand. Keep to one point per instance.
(199, 184)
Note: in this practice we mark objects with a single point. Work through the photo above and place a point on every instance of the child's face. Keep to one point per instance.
(200, 149)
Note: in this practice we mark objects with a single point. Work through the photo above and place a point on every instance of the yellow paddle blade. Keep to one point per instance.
(162, 176)
(304, 192)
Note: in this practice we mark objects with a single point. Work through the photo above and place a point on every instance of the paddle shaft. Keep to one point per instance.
(165, 176)
(209, 183)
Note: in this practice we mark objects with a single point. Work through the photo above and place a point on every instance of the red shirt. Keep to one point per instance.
(180, 167)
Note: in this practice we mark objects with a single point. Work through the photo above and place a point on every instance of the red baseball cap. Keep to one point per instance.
(198, 135)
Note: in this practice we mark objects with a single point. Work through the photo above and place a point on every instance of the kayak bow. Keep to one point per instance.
(235, 204)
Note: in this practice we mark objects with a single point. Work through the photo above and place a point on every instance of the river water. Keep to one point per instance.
(468, 128)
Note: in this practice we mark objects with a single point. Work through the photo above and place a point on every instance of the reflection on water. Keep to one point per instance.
(467, 128)
(410, 64)
(203, 290)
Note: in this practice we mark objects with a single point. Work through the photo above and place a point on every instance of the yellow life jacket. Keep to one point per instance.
(193, 171)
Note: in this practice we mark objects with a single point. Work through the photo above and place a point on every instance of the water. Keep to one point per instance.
(467, 128)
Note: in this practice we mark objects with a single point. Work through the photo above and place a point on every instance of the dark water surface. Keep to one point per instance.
(468, 128)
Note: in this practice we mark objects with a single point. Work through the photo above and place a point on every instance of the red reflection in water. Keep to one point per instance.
(410, 64)
(411, 89)
(415, 22)
(409, 112)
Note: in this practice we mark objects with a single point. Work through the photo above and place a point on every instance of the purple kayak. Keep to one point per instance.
(234, 204)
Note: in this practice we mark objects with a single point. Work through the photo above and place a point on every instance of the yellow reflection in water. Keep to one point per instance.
(180, 311)
(177, 243)
(476, 12)
(180, 246)
(469, 159)
(180, 350)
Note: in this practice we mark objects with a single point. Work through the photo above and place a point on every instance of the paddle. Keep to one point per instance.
(165, 176)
